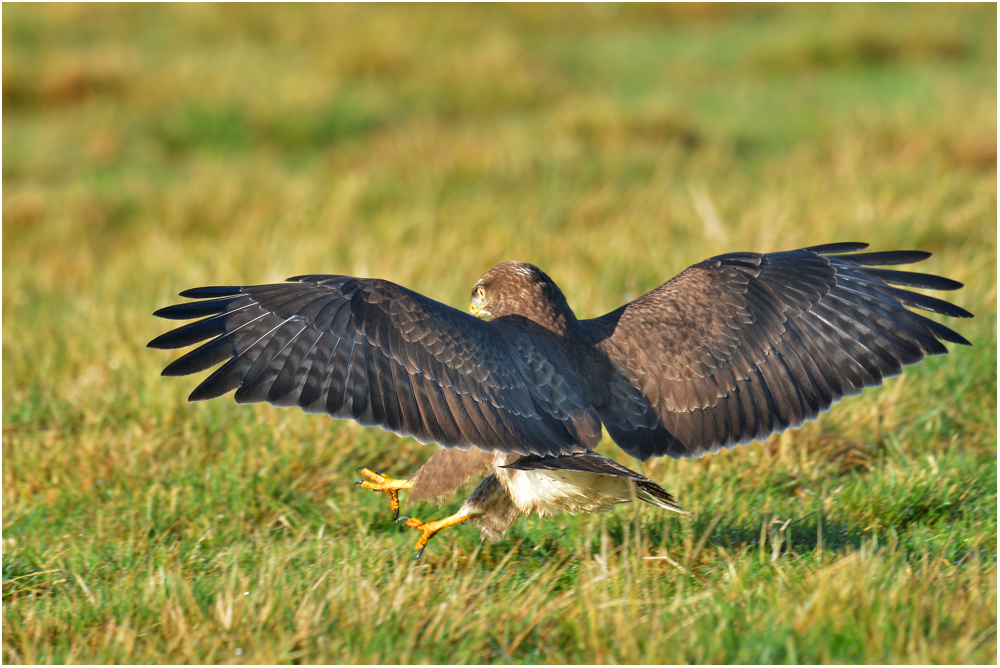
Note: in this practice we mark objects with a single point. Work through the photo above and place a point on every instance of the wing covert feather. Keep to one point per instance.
(743, 345)
(373, 351)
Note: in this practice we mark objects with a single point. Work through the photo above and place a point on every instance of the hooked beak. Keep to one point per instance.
(480, 312)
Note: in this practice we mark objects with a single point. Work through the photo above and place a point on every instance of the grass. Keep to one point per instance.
(151, 149)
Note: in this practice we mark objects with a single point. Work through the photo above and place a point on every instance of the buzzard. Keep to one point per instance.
(729, 351)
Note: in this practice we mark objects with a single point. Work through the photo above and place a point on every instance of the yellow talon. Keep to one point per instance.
(428, 529)
(383, 483)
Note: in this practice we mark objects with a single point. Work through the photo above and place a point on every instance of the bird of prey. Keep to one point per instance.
(728, 351)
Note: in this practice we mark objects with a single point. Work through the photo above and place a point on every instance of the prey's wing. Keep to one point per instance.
(743, 345)
(375, 352)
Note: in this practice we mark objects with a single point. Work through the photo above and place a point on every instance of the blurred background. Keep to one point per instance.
(150, 149)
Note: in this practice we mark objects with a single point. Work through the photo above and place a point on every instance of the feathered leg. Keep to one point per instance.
(489, 506)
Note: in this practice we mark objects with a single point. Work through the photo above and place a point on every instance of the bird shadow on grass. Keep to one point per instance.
(776, 534)
(773, 536)
(770, 533)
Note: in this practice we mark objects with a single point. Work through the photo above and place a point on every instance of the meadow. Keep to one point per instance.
(151, 149)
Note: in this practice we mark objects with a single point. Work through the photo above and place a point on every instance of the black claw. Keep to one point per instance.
(358, 482)
(402, 518)
(379, 472)
(395, 515)
(361, 467)
(419, 553)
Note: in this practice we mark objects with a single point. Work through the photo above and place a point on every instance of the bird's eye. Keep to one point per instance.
(480, 293)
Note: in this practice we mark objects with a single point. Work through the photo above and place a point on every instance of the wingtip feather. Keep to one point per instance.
(839, 247)
(211, 291)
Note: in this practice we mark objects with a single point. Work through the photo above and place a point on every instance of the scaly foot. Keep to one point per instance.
(383, 483)
(428, 529)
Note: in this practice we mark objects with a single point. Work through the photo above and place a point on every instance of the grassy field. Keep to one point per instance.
(147, 150)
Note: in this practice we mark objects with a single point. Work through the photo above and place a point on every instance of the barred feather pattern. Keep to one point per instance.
(374, 352)
(731, 350)
(744, 345)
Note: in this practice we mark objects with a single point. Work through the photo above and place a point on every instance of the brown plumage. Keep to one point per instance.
(447, 470)
(729, 351)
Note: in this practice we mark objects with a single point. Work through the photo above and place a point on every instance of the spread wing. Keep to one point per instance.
(743, 345)
(383, 355)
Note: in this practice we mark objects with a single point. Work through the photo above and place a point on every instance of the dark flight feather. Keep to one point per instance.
(382, 346)
(729, 351)
(811, 327)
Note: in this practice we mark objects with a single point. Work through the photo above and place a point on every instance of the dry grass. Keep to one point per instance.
(152, 149)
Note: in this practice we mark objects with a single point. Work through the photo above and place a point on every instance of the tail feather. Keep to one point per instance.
(648, 491)
(591, 462)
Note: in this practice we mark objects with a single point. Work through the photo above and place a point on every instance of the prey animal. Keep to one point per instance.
(729, 351)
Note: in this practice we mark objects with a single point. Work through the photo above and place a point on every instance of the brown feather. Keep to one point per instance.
(728, 351)
(446, 471)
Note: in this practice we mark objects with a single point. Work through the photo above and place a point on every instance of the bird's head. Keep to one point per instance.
(518, 288)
